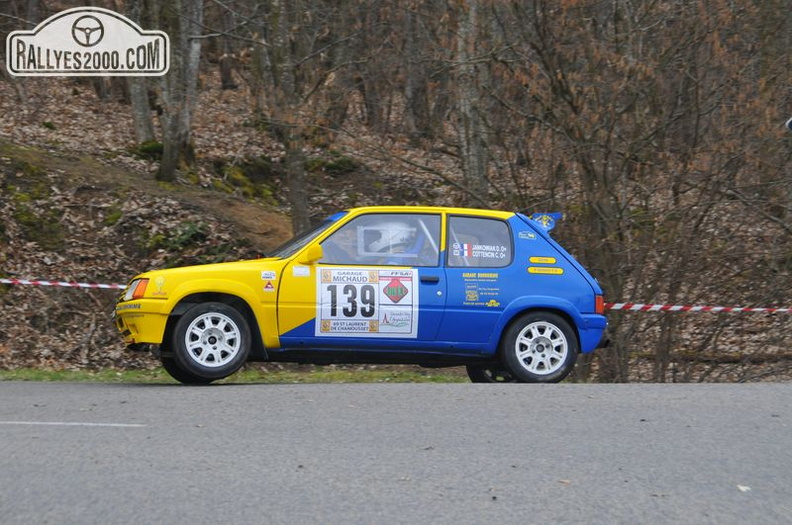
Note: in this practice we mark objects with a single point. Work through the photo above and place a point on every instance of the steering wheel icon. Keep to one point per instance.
(87, 31)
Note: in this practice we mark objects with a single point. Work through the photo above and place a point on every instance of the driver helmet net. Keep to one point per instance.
(389, 237)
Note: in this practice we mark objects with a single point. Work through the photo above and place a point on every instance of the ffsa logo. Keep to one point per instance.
(87, 41)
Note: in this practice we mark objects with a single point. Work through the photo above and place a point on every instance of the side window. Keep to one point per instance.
(387, 239)
(478, 242)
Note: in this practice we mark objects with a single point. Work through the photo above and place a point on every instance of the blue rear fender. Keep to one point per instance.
(588, 328)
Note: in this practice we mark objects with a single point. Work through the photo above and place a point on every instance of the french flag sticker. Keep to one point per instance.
(467, 250)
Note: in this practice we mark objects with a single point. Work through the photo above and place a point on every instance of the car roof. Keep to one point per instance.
(432, 209)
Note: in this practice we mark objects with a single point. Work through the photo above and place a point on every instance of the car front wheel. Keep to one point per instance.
(539, 347)
(179, 374)
(210, 341)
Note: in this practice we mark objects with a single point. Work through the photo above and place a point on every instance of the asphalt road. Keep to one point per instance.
(395, 453)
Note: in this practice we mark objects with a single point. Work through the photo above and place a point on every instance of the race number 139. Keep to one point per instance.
(351, 301)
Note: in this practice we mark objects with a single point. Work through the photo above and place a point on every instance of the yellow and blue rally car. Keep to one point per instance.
(490, 290)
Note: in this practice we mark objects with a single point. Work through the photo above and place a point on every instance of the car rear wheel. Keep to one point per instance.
(210, 341)
(539, 347)
(489, 374)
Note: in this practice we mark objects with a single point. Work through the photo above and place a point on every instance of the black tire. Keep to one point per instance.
(489, 374)
(539, 347)
(179, 374)
(210, 341)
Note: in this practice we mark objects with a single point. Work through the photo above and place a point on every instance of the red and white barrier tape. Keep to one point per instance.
(636, 307)
(63, 284)
(629, 307)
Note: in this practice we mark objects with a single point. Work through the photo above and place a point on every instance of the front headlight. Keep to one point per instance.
(136, 289)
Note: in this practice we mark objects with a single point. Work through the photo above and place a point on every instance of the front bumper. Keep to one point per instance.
(140, 322)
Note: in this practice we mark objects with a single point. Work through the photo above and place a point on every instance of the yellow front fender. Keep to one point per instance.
(261, 303)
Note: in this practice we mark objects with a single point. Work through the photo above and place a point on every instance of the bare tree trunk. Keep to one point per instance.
(416, 112)
(32, 13)
(138, 91)
(226, 60)
(472, 140)
(298, 193)
(29, 14)
(141, 109)
(182, 20)
(16, 83)
(373, 74)
(285, 107)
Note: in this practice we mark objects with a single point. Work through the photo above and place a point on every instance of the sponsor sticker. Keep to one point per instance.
(481, 289)
(159, 284)
(133, 306)
(301, 271)
(544, 270)
(531, 236)
(542, 260)
(364, 302)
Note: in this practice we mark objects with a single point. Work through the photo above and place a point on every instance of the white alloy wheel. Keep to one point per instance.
(541, 348)
(212, 339)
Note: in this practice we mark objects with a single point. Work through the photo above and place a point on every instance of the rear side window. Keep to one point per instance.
(478, 242)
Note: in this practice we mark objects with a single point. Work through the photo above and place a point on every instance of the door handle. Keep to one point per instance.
(433, 279)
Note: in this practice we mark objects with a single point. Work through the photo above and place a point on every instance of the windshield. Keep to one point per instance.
(299, 241)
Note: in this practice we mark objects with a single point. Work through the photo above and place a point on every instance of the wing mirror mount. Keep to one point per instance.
(311, 255)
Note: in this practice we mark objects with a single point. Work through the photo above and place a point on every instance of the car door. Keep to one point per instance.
(379, 284)
(480, 277)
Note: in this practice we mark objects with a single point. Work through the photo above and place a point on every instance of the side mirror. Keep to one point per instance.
(789, 124)
(311, 255)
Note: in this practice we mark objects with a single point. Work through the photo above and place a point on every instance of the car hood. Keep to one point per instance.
(216, 268)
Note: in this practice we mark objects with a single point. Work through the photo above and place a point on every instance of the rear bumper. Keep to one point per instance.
(593, 333)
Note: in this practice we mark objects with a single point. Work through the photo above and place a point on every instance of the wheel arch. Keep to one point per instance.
(517, 314)
(257, 349)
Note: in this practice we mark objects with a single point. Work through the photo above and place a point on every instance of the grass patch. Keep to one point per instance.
(249, 375)
(149, 150)
(86, 376)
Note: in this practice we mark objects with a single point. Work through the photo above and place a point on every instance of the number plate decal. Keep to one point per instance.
(366, 302)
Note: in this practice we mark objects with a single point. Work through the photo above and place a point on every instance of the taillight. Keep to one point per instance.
(599, 304)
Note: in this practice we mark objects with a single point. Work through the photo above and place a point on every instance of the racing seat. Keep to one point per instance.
(413, 255)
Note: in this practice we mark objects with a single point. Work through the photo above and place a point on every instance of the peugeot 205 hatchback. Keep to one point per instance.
(489, 290)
